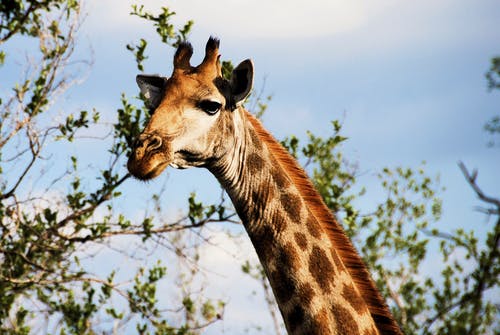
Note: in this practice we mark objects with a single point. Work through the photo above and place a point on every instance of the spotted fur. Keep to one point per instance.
(320, 282)
(348, 254)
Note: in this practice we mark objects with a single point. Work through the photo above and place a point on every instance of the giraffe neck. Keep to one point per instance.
(314, 291)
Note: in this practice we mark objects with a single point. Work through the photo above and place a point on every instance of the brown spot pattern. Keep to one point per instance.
(282, 278)
(321, 324)
(256, 195)
(295, 318)
(352, 296)
(288, 258)
(344, 320)
(263, 240)
(255, 163)
(279, 221)
(301, 322)
(292, 205)
(229, 127)
(262, 195)
(312, 226)
(301, 241)
(321, 269)
(280, 179)
(257, 143)
(306, 294)
(283, 283)
(289, 167)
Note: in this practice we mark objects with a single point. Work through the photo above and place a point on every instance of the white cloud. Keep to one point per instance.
(222, 260)
(243, 18)
(278, 18)
(377, 25)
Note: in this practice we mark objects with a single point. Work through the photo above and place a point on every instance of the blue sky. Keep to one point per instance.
(406, 78)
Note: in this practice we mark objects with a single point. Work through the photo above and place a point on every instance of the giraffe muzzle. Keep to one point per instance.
(149, 157)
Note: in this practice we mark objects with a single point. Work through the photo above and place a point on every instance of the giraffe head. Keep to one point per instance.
(192, 113)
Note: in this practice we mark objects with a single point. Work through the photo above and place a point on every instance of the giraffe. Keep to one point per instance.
(320, 282)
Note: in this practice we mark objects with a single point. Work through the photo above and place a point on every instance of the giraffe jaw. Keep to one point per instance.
(149, 168)
(185, 159)
(178, 166)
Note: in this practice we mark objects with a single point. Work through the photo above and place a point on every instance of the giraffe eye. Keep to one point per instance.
(209, 106)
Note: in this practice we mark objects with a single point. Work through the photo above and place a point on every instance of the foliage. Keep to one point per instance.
(44, 235)
(493, 77)
(493, 74)
(19, 17)
(166, 30)
(400, 238)
(395, 241)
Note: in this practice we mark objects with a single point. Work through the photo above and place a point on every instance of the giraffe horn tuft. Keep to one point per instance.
(183, 55)
(211, 61)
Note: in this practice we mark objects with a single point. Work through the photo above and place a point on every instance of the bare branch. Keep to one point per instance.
(471, 179)
(35, 150)
(449, 237)
(17, 128)
(396, 298)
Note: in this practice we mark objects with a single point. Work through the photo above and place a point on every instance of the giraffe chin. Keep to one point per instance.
(149, 171)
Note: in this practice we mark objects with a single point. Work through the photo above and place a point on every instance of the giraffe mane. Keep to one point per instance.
(346, 251)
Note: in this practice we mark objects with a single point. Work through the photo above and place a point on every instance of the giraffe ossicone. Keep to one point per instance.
(320, 283)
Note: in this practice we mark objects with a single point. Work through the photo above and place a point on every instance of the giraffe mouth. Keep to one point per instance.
(146, 166)
(155, 172)
(146, 171)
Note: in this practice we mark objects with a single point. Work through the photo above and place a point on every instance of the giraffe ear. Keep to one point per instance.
(241, 81)
(152, 87)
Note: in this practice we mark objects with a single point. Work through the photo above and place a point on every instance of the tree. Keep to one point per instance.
(44, 234)
(493, 78)
(47, 236)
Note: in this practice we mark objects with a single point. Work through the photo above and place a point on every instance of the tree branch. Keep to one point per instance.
(75, 215)
(486, 265)
(471, 179)
(33, 6)
(35, 148)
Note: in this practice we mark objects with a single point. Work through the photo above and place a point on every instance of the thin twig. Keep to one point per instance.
(471, 179)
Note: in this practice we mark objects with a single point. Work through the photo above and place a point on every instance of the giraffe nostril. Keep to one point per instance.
(148, 142)
(152, 142)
